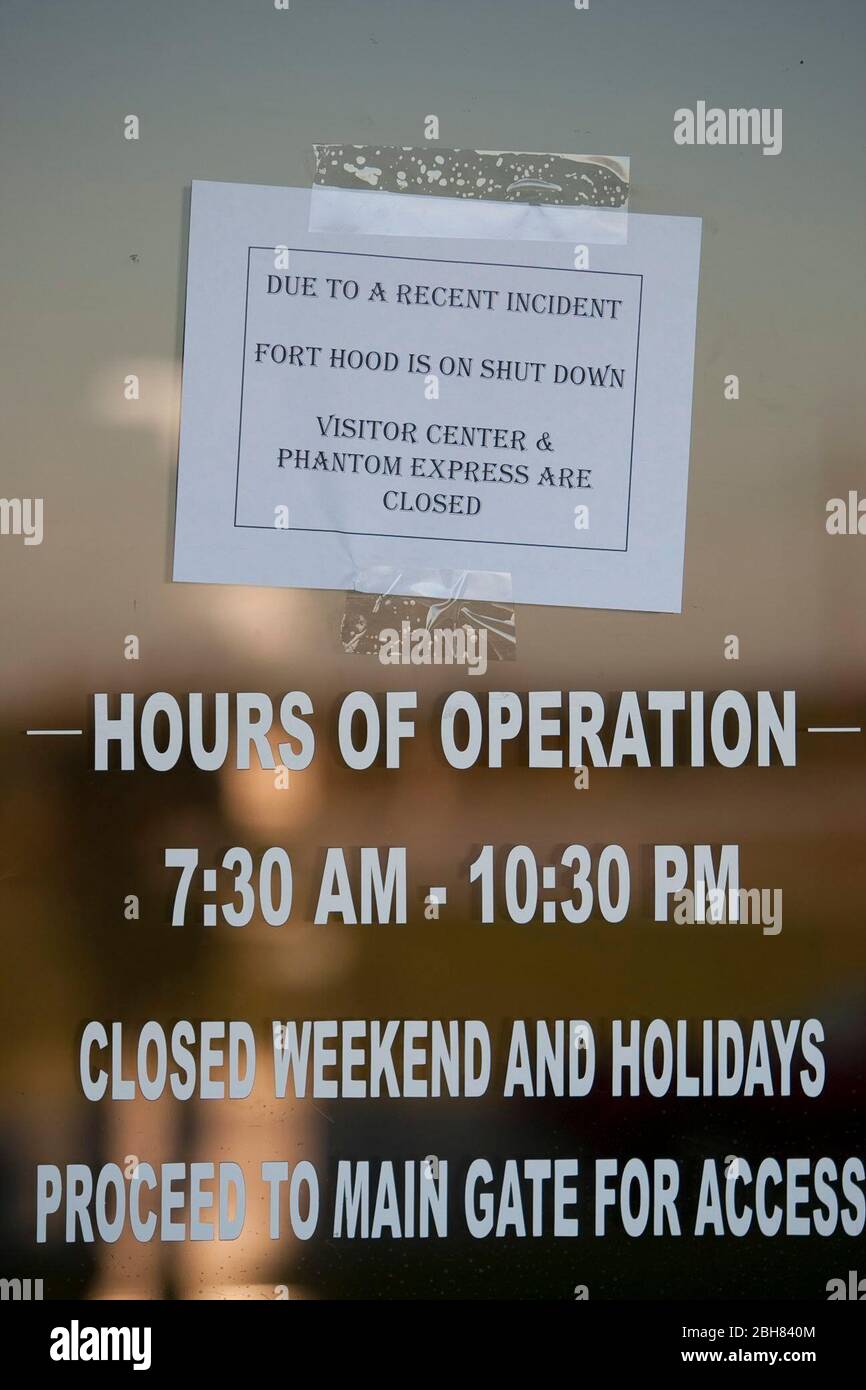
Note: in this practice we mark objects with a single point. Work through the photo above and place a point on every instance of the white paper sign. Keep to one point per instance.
(353, 402)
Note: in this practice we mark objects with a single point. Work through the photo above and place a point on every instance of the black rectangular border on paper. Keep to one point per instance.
(459, 540)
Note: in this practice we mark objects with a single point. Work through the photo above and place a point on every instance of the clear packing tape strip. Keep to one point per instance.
(430, 616)
(496, 195)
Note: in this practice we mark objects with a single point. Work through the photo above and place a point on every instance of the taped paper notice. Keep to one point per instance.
(488, 411)
(393, 190)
